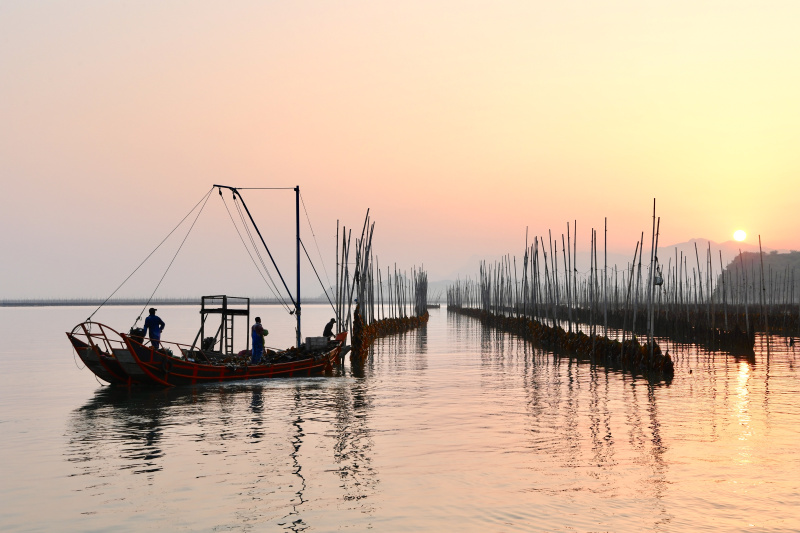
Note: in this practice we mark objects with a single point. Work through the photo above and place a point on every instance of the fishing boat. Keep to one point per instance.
(128, 359)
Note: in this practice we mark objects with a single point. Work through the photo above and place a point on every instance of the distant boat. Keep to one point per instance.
(130, 359)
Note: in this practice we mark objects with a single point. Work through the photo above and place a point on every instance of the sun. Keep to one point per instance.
(739, 235)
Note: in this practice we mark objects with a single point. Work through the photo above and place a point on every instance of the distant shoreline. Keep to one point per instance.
(87, 302)
(78, 302)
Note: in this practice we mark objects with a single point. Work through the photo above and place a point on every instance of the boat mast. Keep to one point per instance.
(297, 222)
(297, 225)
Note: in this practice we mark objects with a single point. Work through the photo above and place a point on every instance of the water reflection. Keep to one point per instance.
(353, 447)
(742, 411)
(395, 354)
(113, 426)
(574, 416)
(600, 424)
(257, 419)
(293, 521)
(658, 464)
(487, 426)
(258, 434)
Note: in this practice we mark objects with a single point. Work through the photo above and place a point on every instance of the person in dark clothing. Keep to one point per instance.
(329, 328)
(155, 325)
(258, 332)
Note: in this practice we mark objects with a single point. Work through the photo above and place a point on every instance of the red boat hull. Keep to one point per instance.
(138, 364)
(158, 369)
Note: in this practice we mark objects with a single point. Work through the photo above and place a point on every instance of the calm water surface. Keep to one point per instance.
(452, 427)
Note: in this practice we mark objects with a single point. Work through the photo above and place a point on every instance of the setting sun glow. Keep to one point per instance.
(739, 235)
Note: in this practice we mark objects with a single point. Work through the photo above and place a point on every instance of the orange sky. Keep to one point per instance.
(458, 124)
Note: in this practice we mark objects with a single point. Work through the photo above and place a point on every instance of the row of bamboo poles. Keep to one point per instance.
(722, 310)
(537, 305)
(368, 304)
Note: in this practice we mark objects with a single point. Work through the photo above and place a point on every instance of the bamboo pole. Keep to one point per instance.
(638, 283)
(605, 277)
(724, 294)
(766, 320)
(746, 313)
(570, 281)
(628, 298)
(651, 342)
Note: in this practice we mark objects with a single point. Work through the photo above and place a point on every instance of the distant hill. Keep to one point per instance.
(781, 276)
(729, 249)
(778, 263)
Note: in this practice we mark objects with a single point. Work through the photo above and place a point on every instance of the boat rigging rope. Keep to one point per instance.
(208, 195)
(255, 227)
(277, 295)
(260, 257)
(320, 281)
(205, 197)
(317, 245)
(76, 361)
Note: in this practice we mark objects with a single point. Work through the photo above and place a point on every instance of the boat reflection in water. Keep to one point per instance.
(242, 452)
(117, 432)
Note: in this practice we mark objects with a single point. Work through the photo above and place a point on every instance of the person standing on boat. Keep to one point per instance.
(258, 333)
(329, 329)
(155, 325)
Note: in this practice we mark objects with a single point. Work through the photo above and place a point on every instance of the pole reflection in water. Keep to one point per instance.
(600, 424)
(396, 353)
(353, 447)
(293, 521)
(658, 464)
(573, 412)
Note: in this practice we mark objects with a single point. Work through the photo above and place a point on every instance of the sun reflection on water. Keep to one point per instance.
(743, 411)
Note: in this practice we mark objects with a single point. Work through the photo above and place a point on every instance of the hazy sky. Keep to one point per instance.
(457, 123)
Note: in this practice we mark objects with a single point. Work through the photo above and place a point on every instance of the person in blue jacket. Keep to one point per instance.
(155, 325)
(258, 333)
